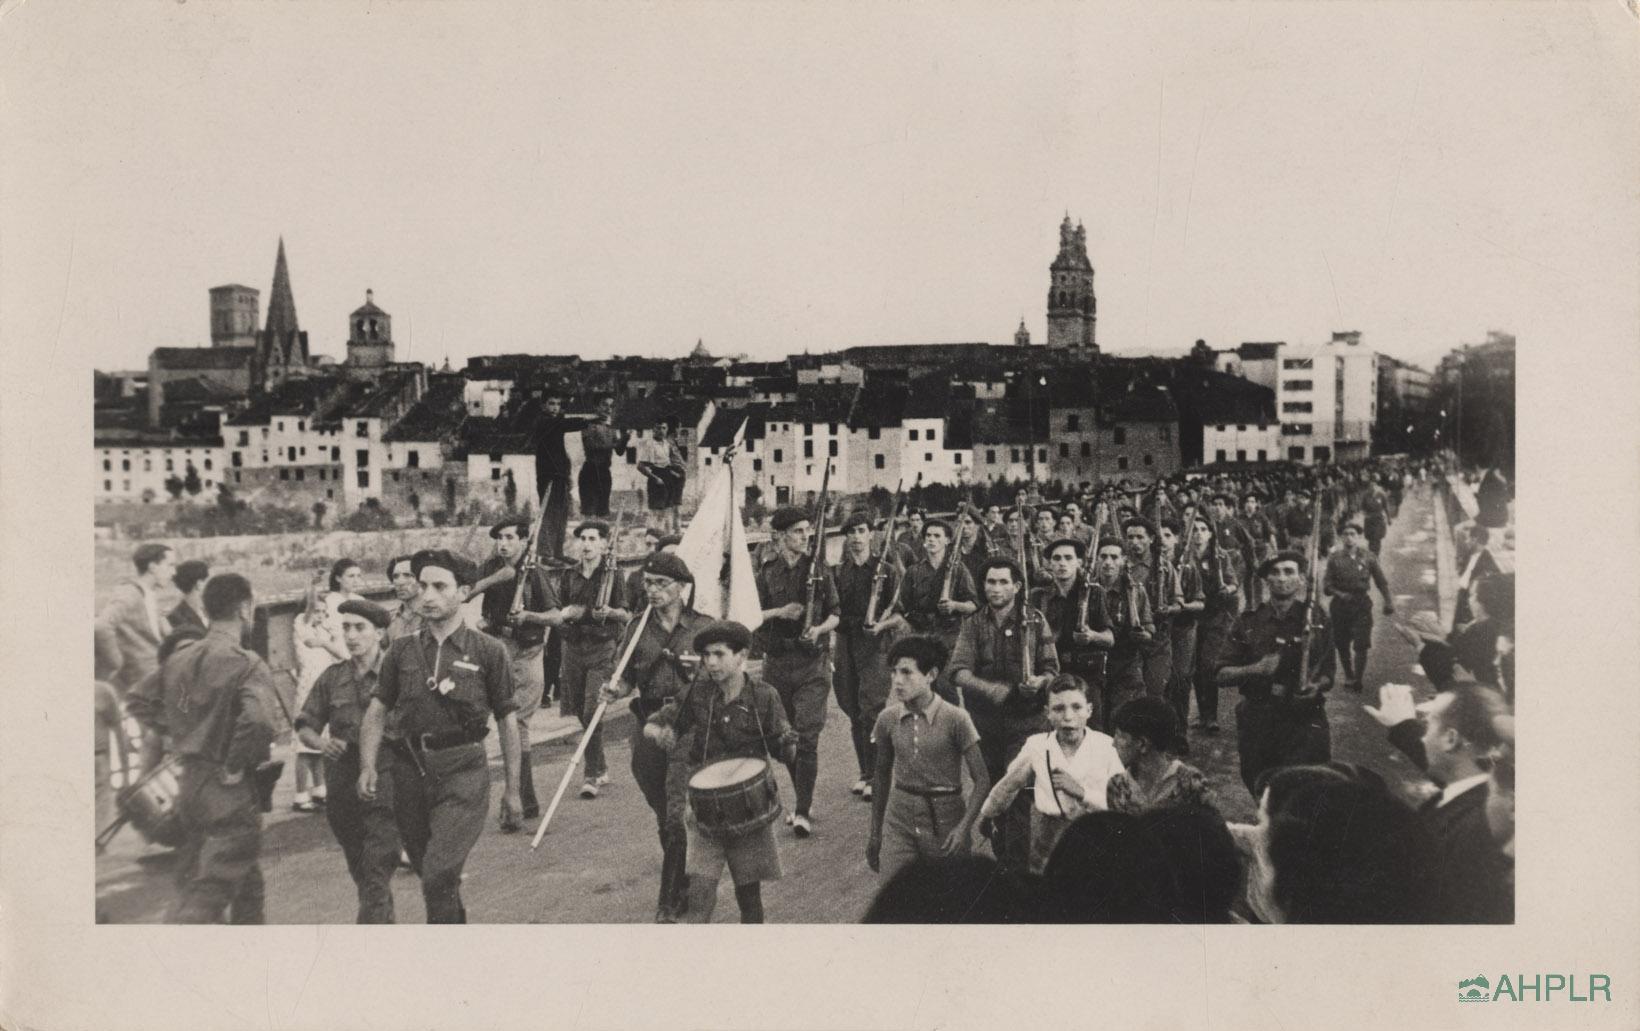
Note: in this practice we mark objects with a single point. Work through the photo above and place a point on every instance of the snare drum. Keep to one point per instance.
(733, 797)
(151, 804)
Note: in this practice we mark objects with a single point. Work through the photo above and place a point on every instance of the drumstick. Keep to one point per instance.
(592, 724)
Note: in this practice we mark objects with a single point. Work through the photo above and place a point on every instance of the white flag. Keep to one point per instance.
(722, 590)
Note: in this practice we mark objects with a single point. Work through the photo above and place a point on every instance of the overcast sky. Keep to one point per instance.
(773, 179)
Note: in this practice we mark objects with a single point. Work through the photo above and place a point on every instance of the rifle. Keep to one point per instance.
(606, 585)
(531, 550)
(817, 557)
(879, 577)
(1312, 557)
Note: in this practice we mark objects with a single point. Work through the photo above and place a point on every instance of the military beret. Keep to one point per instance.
(1223, 495)
(1108, 542)
(857, 519)
(1070, 542)
(787, 517)
(599, 525)
(723, 631)
(1131, 522)
(460, 567)
(664, 563)
(518, 523)
(368, 609)
(1285, 555)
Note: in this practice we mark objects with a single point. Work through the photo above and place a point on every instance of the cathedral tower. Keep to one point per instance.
(1072, 310)
(282, 346)
(370, 334)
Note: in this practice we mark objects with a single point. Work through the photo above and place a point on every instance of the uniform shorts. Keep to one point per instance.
(751, 858)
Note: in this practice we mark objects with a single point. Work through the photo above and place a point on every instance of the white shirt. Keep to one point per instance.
(1093, 765)
(1458, 787)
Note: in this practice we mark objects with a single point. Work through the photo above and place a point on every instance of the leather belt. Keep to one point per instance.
(449, 739)
(928, 792)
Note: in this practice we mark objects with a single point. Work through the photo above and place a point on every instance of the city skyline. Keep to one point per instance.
(628, 180)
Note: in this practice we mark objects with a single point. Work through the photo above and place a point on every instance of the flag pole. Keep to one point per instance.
(592, 725)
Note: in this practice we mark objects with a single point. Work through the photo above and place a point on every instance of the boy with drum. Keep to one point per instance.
(727, 716)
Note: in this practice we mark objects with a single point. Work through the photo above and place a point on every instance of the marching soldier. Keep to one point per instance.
(210, 701)
(1182, 632)
(589, 634)
(922, 607)
(1160, 579)
(1128, 605)
(861, 676)
(1281, 719)
(442, 685)
(522, 631)
(335, 708)
(1352, 570)
(661, 668)
(1077, 619)
(795, 661)
(1007, 707)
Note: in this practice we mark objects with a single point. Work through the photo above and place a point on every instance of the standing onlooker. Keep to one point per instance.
(599, 442)
(552, 469)
(130, 627)
(319, 644)
(1148, 738)
(190, 579)
(655, 462)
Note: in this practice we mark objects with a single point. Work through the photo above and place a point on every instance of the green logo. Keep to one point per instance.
(1474, 989)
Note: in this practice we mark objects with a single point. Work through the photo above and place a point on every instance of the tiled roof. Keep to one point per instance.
(179, 358)
(437, 416)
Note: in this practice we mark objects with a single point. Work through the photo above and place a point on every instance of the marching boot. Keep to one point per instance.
(680, 876)
(666, 907)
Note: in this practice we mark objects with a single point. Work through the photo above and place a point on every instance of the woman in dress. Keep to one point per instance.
(318, 636)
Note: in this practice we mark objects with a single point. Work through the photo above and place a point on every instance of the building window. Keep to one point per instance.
(1122, 462)
(808, 449)
(1073, 423)
(990, 456)
(1220, 455)
(1299, 384)
(284, 474)
(244, 438)
(1241, 456)
(264, 458)
(1322, 454)
(330, 493)
(928, 456)
(1296, 429)
(395, 475)
(778, 456)
(1292, 407)
(1119, 435)
(364, 478)
(280, 425)
(301, 475)
(1261, 456)
(932, 433)
(708, 462)
(301, 425)
(290, 454)
(170, 466)
(831, 448)
(108, 486)
(125, 465)
(1013, 455)
(361, 457)
(1297, 363)
(302, 451)
(631, 456)
(1262, 427)
(324, 474)
(237, 478)
(147, 465)
(1041, 454)
(877, 461)
(1149, 460)
(361, 429)
(956, 458)
(108, 466)
(757, 465)
(336, 454)
(874, 434)
(1064, 450)
(808, 429)
(1241, 428)
(831, 428)
(495, 474)
(914, 434)
(413, 460)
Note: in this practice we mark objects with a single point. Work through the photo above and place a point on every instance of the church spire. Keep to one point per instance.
(281, 303)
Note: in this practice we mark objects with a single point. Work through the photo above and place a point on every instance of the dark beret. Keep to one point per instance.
(368, 609)
(1108, 542)
(1285, 555)
(459, 567)
(664, 563)
(1223, 495)
(518, 523)
(1438, 659)
(1072, 542)
(723, 631)
(787, 517)
(593, 524)
(1133, 521)
(857, 519)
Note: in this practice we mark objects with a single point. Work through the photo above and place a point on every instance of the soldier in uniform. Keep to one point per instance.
(329, 723)
(442, 685)
(795, 662)
(1128, 605)
(1006, 706)
(1182, 631)
(1259, 528)
(522, 631)
(212, 700)
(728, 714)
(1082, 646)
(661, 668)
(921, 608)
(1237, 544)
(910, 541)
(401, 572)
(1351, 571)
(1220, 593)
(973, 547)
(589, 634)
(1160, 579)
(1281, 719)
(861, 676)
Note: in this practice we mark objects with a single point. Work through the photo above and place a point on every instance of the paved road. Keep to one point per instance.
(600, 863)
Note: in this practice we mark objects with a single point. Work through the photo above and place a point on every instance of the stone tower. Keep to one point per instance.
(1022, 336)
(370, 334)
(235, 311)
(1072, 310)
(282, 347)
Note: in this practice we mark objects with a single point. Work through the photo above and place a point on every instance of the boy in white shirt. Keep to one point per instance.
(1067, 767)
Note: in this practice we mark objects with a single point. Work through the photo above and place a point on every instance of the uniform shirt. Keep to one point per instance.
(1260, 527)
(570, 587)
(1234, 538)
(1352, 572)
(339, 698)
(213, 698)
(751, 725)
(780, 583)
(910, 547)
(928, 745)
(1093, 764)
(1264, 630)
(1189, 580)
(1150, 576)
(406, 621)
(989, 648)
(654, 670)
(1213, 574)
(497, 603)
(1128, 604)
(551, 457)
(1062, 612)
(854, 582)
(599, 441)
(476, 667)
(920, 597)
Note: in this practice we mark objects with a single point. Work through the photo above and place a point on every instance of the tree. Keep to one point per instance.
(319, 510)
(173, 487)
(510, 492)
(190, 482)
